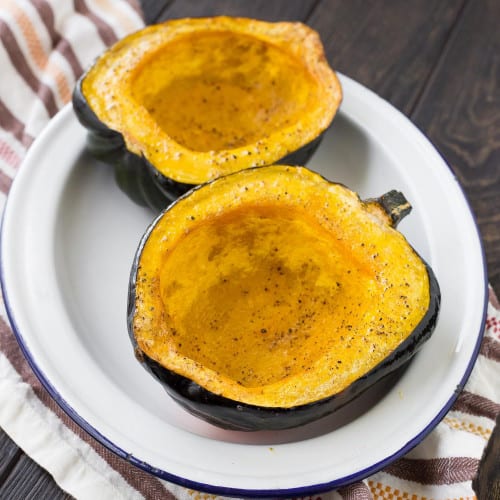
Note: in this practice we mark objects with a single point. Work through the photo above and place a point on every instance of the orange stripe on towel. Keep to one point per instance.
(9, 156)
(37, 53)
(117, 11)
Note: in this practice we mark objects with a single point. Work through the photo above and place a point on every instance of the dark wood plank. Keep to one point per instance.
(152, 9)
(486, 484)
(9, 455)
(416, 55)
(275, 10)
(388, 45)
(29, 481)
(460, 112)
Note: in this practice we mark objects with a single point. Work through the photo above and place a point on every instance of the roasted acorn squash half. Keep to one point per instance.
(271, 297)
(183, 102)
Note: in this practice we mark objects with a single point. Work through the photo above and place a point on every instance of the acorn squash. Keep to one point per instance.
(193, 99)
(271, 297)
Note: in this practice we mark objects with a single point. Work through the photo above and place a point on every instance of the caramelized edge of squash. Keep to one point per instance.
(363, 298)
(108, 88)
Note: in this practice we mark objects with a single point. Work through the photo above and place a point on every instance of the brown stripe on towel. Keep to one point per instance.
(37, 53)
(59, 43)
(490, 349)
(434, 471)
(476, 405)
(147, 484)
(16, 127)
(493, 298)
(19, 62)
(355, 491)
(108, 36)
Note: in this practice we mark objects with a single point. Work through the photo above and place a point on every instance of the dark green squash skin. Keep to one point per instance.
(234, 415)
(134, 174)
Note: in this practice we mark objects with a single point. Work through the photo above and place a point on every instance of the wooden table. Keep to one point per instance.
(438, 61)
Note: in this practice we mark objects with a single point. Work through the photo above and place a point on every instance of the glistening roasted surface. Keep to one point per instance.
(199, 98)
(368, 42)
(223, 100)
(300, 288)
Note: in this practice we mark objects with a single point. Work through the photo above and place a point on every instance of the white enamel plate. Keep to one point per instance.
(68, 240)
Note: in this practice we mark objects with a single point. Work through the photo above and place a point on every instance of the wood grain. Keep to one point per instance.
(29, 481)
(389, 46)
(460, 112)
(275, 10)
(153, 9)
(9, 455)
(438, 61)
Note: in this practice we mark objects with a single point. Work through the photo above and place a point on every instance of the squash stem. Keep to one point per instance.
(395, 205)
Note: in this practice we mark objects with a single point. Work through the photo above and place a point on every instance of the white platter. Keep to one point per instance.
(68, 240)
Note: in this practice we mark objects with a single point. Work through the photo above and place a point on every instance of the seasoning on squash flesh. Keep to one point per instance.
(276, 288)
(199, 98)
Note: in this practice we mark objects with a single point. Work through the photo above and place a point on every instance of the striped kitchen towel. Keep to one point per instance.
(45, 45)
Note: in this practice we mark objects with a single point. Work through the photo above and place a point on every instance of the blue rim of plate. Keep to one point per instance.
(259, 493)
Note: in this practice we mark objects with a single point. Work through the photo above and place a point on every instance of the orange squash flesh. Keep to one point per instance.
(220, 100)
(274, 287)
(200, 98)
